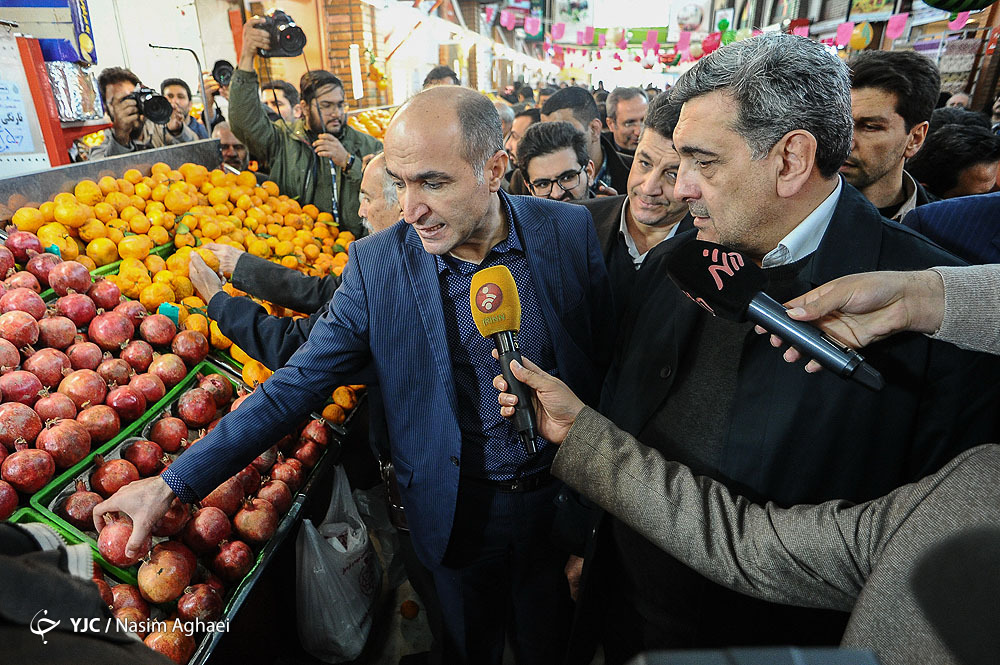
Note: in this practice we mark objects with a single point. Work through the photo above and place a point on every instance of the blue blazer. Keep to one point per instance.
(388, 313)
(968, 226)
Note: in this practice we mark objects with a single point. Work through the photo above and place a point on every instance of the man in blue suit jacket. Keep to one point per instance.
(968, 226)
(479, 509)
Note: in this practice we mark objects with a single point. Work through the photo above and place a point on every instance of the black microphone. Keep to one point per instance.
(729, 285)
(496, 310)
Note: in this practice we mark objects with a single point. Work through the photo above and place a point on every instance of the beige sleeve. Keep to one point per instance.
(971, 307)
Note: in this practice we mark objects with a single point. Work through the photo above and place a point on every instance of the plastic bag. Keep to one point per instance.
(338, 580)
(371, 506)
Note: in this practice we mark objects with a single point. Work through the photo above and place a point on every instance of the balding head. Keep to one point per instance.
(467, 116)
(379, 207)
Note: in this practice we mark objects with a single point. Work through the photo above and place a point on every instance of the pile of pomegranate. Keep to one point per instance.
(76, 371)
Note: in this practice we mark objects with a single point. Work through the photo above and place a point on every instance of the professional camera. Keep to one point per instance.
(151, 104)
(287, 39)
(222, 72)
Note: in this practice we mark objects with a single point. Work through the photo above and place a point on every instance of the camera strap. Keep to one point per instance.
(334, 203)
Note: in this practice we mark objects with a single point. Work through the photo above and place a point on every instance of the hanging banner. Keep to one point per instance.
(533, 25)
(489, 14)
(601, 40)
(871, 10)
(844, 32)
(959, 22)
(801, 30)
(588, 35)
(558, 31)
(897, 24)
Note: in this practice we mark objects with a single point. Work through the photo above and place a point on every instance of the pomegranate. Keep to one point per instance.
(54, 405)
(317, 432)
(145, 455)
(69, 276)
(206, 529)
(265, 460)
(249, 479)
(131, 619)
(78, 308)
(133, 309)
(174, 520)
(173, 643)
(105, 589)
(22, 280)
(8, 500)
(27, 470)
(307, 452)
(278, 494)
(101, 421)
(20, 386)
(78, 508)
(205, 576)
(150, 385)
(20, 243)
(138, 354)
(10, 358)
(182, 550)
(105, 294)
(288, 472)
(6, 261)
(19, 328)
(112, 541)
(40, 265)
(18, 422)
(24, 300)
(112, 475)
(227, 497)
(84, 387)
(170, 433)
(49, 365)
(168, 367)
(85, 355)
(191, 346)
(158, 330)
(239, 400)
(66, 440)
(128, 596)
(163, 576)
(195, 407)
(111, 330)
(233, 560)
(219, 387)
(128, 402)
(57, 332)
(286, 443)
(114, 371)
(256, 521)
(200, 602)
(3, 453)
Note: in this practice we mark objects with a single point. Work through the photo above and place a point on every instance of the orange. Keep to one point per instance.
(50, 233)
(154, 263)
(28, 219)
(159, 192)
(196, 174)
(210, 230)
(86, 261)
(47, 209)
(92, 230)
(218, 195)
(239, 355)
(136, 247)
(88, 192)
(345, 398)
(254, 373)
(128, 212)
(159, 235)
(311, 252)
(154, 295)
(70, 214)
(324, 218)
(125, 187)
(139, 224)
(194, 302)
(334, 413)
(143, 191)
(138, 202)
(107, 184)
(182, 286)
(270, 187)
(102, 251)
(160, 167)
(290, 261)
(198, 323)
(211, 260)
(133, 176)
(178, 202)
(310, 210)
(115, 235)
(246, 179)
(117, 200)
(217, 339)
(184, 240)
(105, 211)
(163, 277)
(177, 262)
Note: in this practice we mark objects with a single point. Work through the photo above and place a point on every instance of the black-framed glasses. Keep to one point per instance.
(566, 182)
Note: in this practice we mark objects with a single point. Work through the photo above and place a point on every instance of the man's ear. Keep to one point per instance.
(916, 138)
(495, 168)
(796, 154)
(590, 170)
(595, 128)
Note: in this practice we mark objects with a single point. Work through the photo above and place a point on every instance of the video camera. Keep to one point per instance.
(287, 39)
(151, 104)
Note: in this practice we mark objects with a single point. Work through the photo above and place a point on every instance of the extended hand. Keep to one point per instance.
(604, 190)
(327, 145)
(176, 122)
(556, 407)
(126, 120)
(206, 283)
(253, 38)
(228, 256)
(145, 501)
(861, 309)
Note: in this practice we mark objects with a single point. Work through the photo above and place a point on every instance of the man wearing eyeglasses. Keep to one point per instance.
(626, 109)
(553, 160)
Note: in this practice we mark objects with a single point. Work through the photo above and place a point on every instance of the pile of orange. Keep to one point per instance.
(373, 122)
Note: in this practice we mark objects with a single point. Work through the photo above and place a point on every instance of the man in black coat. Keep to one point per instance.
(761, 177)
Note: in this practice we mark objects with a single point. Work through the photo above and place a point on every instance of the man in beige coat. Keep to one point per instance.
(858, 558)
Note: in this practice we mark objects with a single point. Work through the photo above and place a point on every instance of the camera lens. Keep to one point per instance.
(157, 109)
(222, 72)
(291, 38)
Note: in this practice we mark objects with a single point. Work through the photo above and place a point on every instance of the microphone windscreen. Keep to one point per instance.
(720, 279)
(494, 301)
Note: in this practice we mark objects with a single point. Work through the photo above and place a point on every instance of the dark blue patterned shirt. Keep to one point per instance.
(490, 445)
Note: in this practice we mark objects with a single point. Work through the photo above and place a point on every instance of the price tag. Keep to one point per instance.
(15, 134)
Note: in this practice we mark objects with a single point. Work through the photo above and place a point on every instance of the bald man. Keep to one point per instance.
(480, 507)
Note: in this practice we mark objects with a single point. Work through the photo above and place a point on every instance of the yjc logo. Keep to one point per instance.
(725, 262)
(40, 625)
(488, 298)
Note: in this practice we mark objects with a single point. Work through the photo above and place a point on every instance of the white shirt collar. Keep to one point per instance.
(633, 251)
(806, 236)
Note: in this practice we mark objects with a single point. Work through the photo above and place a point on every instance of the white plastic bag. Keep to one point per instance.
(375, 514)
(338, 580)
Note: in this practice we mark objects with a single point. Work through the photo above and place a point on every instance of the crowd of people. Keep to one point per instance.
(693, 486)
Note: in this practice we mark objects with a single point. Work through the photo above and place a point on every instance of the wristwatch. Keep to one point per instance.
(350, 162)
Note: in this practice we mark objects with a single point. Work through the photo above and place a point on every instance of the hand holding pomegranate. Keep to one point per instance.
(145, 501)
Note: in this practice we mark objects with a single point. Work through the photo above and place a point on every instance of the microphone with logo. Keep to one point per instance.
(727, 284)
(496, 309)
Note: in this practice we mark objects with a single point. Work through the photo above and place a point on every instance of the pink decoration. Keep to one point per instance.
(959, 22)
(711, 42)
(622, 43)
(489, 14)
(653, 36)
(588, 34)
(896, 25)
(602, 39)
(844, 32)
(532, 25)
(684, 41)
(801, 30)
(507, 19)
(558, 31)
(579, 36)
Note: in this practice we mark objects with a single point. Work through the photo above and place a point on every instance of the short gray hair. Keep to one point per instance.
(482, 133)
(621, 95)
(780, 83)
(505, 111)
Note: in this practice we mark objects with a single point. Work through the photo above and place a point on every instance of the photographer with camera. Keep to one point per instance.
(178, 93)
(141, 118)
(317, 159)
